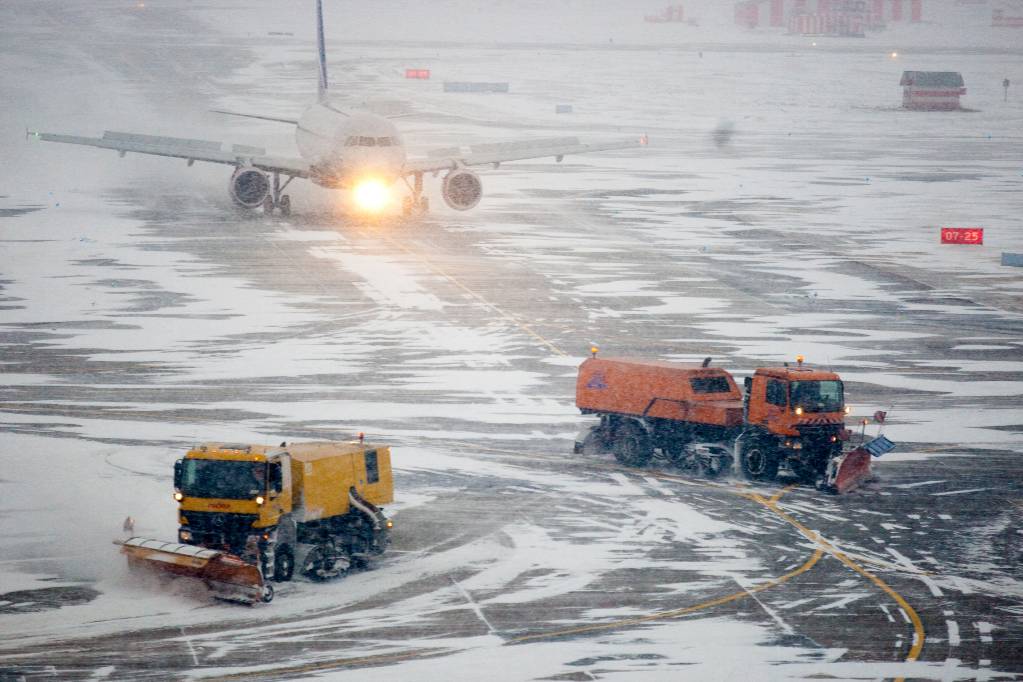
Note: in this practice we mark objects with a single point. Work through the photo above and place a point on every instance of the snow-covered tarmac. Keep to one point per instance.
(140, 313)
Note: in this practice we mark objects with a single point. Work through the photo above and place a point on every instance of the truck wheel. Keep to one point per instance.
(284, 565)
(759, 463)
(632, 445)
(593, 443)
(715, 465)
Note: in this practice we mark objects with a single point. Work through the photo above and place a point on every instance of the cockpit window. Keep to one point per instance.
(361, 141)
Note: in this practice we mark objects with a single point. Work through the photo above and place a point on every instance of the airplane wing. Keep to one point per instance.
(261, 117)
(498, 153)
(184, 148)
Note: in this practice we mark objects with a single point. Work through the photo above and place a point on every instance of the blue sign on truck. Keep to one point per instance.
(879, 446)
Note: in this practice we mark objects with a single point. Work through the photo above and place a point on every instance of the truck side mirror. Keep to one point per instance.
(276, 479)
(178, 469)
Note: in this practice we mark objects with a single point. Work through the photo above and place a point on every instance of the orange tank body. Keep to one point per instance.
(665, 390)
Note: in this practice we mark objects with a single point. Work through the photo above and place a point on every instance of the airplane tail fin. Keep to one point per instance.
(321, 49)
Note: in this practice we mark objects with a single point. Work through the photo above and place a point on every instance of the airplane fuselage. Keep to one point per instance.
(347, 148)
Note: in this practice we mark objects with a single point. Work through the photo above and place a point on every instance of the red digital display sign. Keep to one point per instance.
(420, 74)
(962, 235)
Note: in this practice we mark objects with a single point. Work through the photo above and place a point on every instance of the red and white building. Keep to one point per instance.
(841, 18)
(1000, 18)
(670, 14)
(827, 17)
(932, 90)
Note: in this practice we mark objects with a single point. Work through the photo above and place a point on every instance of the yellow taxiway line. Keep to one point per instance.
(918, 626)
(675, 613)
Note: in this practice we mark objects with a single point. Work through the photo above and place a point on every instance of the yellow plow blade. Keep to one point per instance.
(225, 575)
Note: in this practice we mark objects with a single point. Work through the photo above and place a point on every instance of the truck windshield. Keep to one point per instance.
(818, 396)
(230, 480)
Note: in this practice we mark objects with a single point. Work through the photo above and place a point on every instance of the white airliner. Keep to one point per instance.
(355, 150)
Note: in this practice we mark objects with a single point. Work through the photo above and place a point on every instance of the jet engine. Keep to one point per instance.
(462, 189)
(249, 186)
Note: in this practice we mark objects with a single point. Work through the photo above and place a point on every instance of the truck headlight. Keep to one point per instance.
(185, 535)
(260, 500)
(178, 496)
(799, 411)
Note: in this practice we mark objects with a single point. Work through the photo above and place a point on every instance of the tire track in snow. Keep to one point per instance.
(508, 317)
(747, 592)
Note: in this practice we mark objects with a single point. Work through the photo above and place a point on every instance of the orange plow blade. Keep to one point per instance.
(225, 575)
(851, 469)
(848, 471)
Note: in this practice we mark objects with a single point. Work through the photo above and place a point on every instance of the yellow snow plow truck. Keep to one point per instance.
(252, 513)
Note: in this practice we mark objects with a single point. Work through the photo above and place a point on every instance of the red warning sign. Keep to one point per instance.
(962, 235)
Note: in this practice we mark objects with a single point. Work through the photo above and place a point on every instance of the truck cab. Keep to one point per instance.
(787, 398)
(794, 415)
(230, 495)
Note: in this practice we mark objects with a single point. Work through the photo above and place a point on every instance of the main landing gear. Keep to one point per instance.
(416, 203)
(274, 198)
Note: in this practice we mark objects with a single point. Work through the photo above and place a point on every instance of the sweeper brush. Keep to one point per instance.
(226, 576)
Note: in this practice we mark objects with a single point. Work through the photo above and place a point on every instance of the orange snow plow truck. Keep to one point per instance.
(695, 414)
(252, 513)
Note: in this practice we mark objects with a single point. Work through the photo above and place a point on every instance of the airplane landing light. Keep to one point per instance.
(371, 196)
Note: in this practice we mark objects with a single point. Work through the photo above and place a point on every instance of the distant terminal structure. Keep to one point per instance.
(827, 17)
(472, 86)
(932, 90)
(670, 14)
(842, 18)
(1002, 19)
